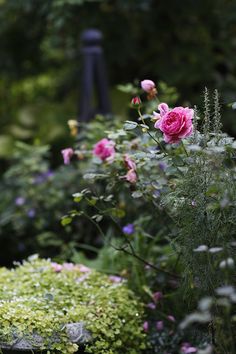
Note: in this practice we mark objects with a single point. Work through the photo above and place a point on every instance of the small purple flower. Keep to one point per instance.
(159, 325)
(151, 305)
(162, 166)
(56, 267)
(128, 229)
(20, 201)
(157, 296)
(145, 326)
(186, 348)
(31, 213)
(43, 177)
(171, 318)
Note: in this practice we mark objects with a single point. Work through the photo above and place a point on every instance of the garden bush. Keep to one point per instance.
(40, 297)
(168, 189)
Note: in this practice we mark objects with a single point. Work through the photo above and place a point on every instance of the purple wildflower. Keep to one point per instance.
(145, 326)
(159, 325)
(128, 229)
(31, 213)
(151, 305)
(20, 201)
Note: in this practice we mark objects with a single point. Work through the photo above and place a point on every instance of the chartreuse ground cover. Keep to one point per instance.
(41, 297)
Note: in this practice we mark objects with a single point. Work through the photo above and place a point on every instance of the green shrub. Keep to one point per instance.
(38, 297)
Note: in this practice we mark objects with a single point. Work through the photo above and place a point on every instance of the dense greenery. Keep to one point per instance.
(183, 223)
(41, 297)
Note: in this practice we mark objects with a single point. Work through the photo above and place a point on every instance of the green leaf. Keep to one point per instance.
(66, 220)
(129, 125)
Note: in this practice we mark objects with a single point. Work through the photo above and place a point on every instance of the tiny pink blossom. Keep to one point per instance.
(171, 318)
(159, 325)
(131, 176)
(83, 269)
(186, 348)
(145, 326)
(67, 155)
(104, 149)
(129, 163)
(115, 279)
(68, 266)
(82, 278)
(176, 124)
(147, 85)
(157, 296)
(56, 267)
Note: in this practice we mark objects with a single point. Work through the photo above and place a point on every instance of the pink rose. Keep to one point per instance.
(129, 163)
(104, 149)
(176, 124)
(67, 154)
(147, 85)
(131, 176)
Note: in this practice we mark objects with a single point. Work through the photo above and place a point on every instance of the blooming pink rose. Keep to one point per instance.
(104, 149)
(130, 164)
(147, 85)
(131, 176)
(176, 124)
(67, 154)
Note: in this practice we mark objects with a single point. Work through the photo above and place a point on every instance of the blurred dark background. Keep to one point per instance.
(181, 45)
(188, 44)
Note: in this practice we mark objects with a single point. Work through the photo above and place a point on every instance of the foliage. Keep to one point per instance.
(37, 299)
(33, 199)
(182, 214)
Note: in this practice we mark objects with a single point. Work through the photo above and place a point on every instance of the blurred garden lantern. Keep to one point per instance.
(93, 78)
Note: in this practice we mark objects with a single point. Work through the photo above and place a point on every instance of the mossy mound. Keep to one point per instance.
(38, 299)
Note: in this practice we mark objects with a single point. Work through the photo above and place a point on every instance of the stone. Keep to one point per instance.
(76, 332)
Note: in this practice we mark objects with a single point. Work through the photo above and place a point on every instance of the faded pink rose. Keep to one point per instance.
(147, 85)
(104, 149)
(129, 163)
(67, 155)
(176, 123)
(131, 176)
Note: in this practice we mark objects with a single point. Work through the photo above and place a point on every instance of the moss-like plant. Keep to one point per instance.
(40, 297)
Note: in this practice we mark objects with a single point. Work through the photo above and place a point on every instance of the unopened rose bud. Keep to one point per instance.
(136, 102)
